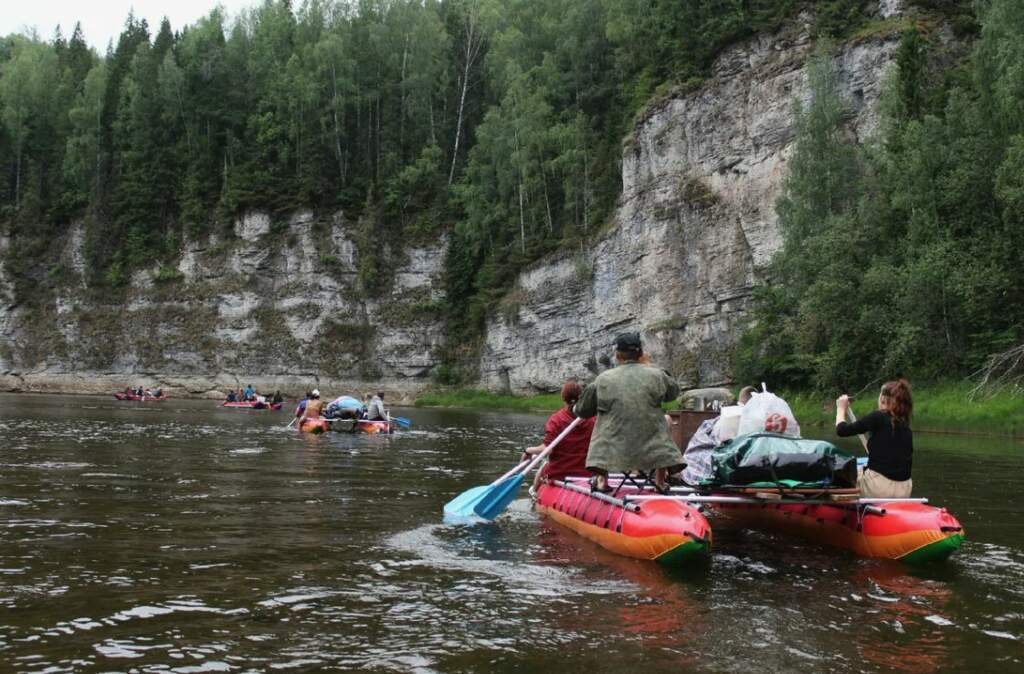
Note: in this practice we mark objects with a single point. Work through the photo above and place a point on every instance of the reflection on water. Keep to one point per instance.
(188, 538)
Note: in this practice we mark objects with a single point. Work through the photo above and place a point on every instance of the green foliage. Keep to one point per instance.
(835, 18)
(903, 257)
(167, 274)
(475, 399)
(938, 407)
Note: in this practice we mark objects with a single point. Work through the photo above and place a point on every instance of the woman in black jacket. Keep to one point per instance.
(890, 443)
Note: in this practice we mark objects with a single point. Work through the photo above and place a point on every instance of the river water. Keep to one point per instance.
(180, 537)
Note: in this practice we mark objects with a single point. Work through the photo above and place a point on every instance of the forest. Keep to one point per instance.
(904, 255)
(500, 124)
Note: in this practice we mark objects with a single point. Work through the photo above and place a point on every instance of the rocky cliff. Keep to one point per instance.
(275, 305)
(695, 226)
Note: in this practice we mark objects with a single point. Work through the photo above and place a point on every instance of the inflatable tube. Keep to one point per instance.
(251, 405)
(668, 532)
(375, 426)
(914, 533)
(315, 426)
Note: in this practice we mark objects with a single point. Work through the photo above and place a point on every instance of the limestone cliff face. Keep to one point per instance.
(273, 306)
(695, 226)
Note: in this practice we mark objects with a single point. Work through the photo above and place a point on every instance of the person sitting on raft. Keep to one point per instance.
(569, 457)
(250, 392)
(630, 433)
(277, 399)
(890, 443)
(313, 407)
(375, 410)
(232, 397)
(301, 407)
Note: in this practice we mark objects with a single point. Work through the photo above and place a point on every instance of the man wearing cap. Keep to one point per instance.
(630, 434)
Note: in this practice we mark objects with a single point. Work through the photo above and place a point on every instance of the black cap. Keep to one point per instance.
(628, 341)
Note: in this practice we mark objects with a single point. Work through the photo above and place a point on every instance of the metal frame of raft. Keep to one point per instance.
(669, 532)
(908, 530)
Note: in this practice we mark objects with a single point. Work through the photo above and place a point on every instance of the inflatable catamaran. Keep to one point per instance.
(908, 530)
(794, 486)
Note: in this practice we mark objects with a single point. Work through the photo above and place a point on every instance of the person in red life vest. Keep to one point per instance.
(569, 456)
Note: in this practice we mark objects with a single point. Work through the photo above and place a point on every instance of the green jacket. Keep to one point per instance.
(631, 433)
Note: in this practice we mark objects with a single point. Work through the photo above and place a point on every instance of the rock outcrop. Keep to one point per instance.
(275, 306)
(695, 226)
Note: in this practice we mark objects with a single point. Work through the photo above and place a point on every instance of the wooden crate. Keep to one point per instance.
(685, 423)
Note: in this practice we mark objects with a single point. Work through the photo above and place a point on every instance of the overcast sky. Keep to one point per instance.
(102, 20)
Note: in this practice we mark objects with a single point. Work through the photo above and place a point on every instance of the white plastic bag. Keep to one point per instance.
(767, 412)
(728, 424)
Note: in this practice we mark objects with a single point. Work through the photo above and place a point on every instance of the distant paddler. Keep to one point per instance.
(630, 433)
(375, 410)
(314, 407)
(890, 445)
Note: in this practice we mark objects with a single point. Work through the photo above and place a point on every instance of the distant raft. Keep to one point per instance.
(143, 398)
(669, 532)
(251, 405)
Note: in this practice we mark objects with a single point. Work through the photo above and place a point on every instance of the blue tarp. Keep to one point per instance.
(348, 403)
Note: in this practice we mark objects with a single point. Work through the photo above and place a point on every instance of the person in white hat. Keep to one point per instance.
(313, 408)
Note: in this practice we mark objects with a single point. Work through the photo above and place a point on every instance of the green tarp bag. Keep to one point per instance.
(769, 457)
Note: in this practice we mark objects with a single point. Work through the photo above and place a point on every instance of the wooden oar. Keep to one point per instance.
(489, 501)
(292, 422)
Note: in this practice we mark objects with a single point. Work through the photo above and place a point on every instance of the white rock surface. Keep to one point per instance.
(263, 308)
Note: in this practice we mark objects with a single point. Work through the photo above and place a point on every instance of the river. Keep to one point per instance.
(182, 537)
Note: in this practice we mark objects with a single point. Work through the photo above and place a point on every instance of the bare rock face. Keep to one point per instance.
(695, 225)
(277, 306)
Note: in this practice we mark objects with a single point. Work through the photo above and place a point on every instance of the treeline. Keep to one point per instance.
(904, 256)
(411, 115)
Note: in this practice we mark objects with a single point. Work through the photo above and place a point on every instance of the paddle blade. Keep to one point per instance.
(497, 498)
(462, 505)
(402, 421)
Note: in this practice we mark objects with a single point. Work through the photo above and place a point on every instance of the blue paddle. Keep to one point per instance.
(462, 505)
(402, 421)
(493, 499)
